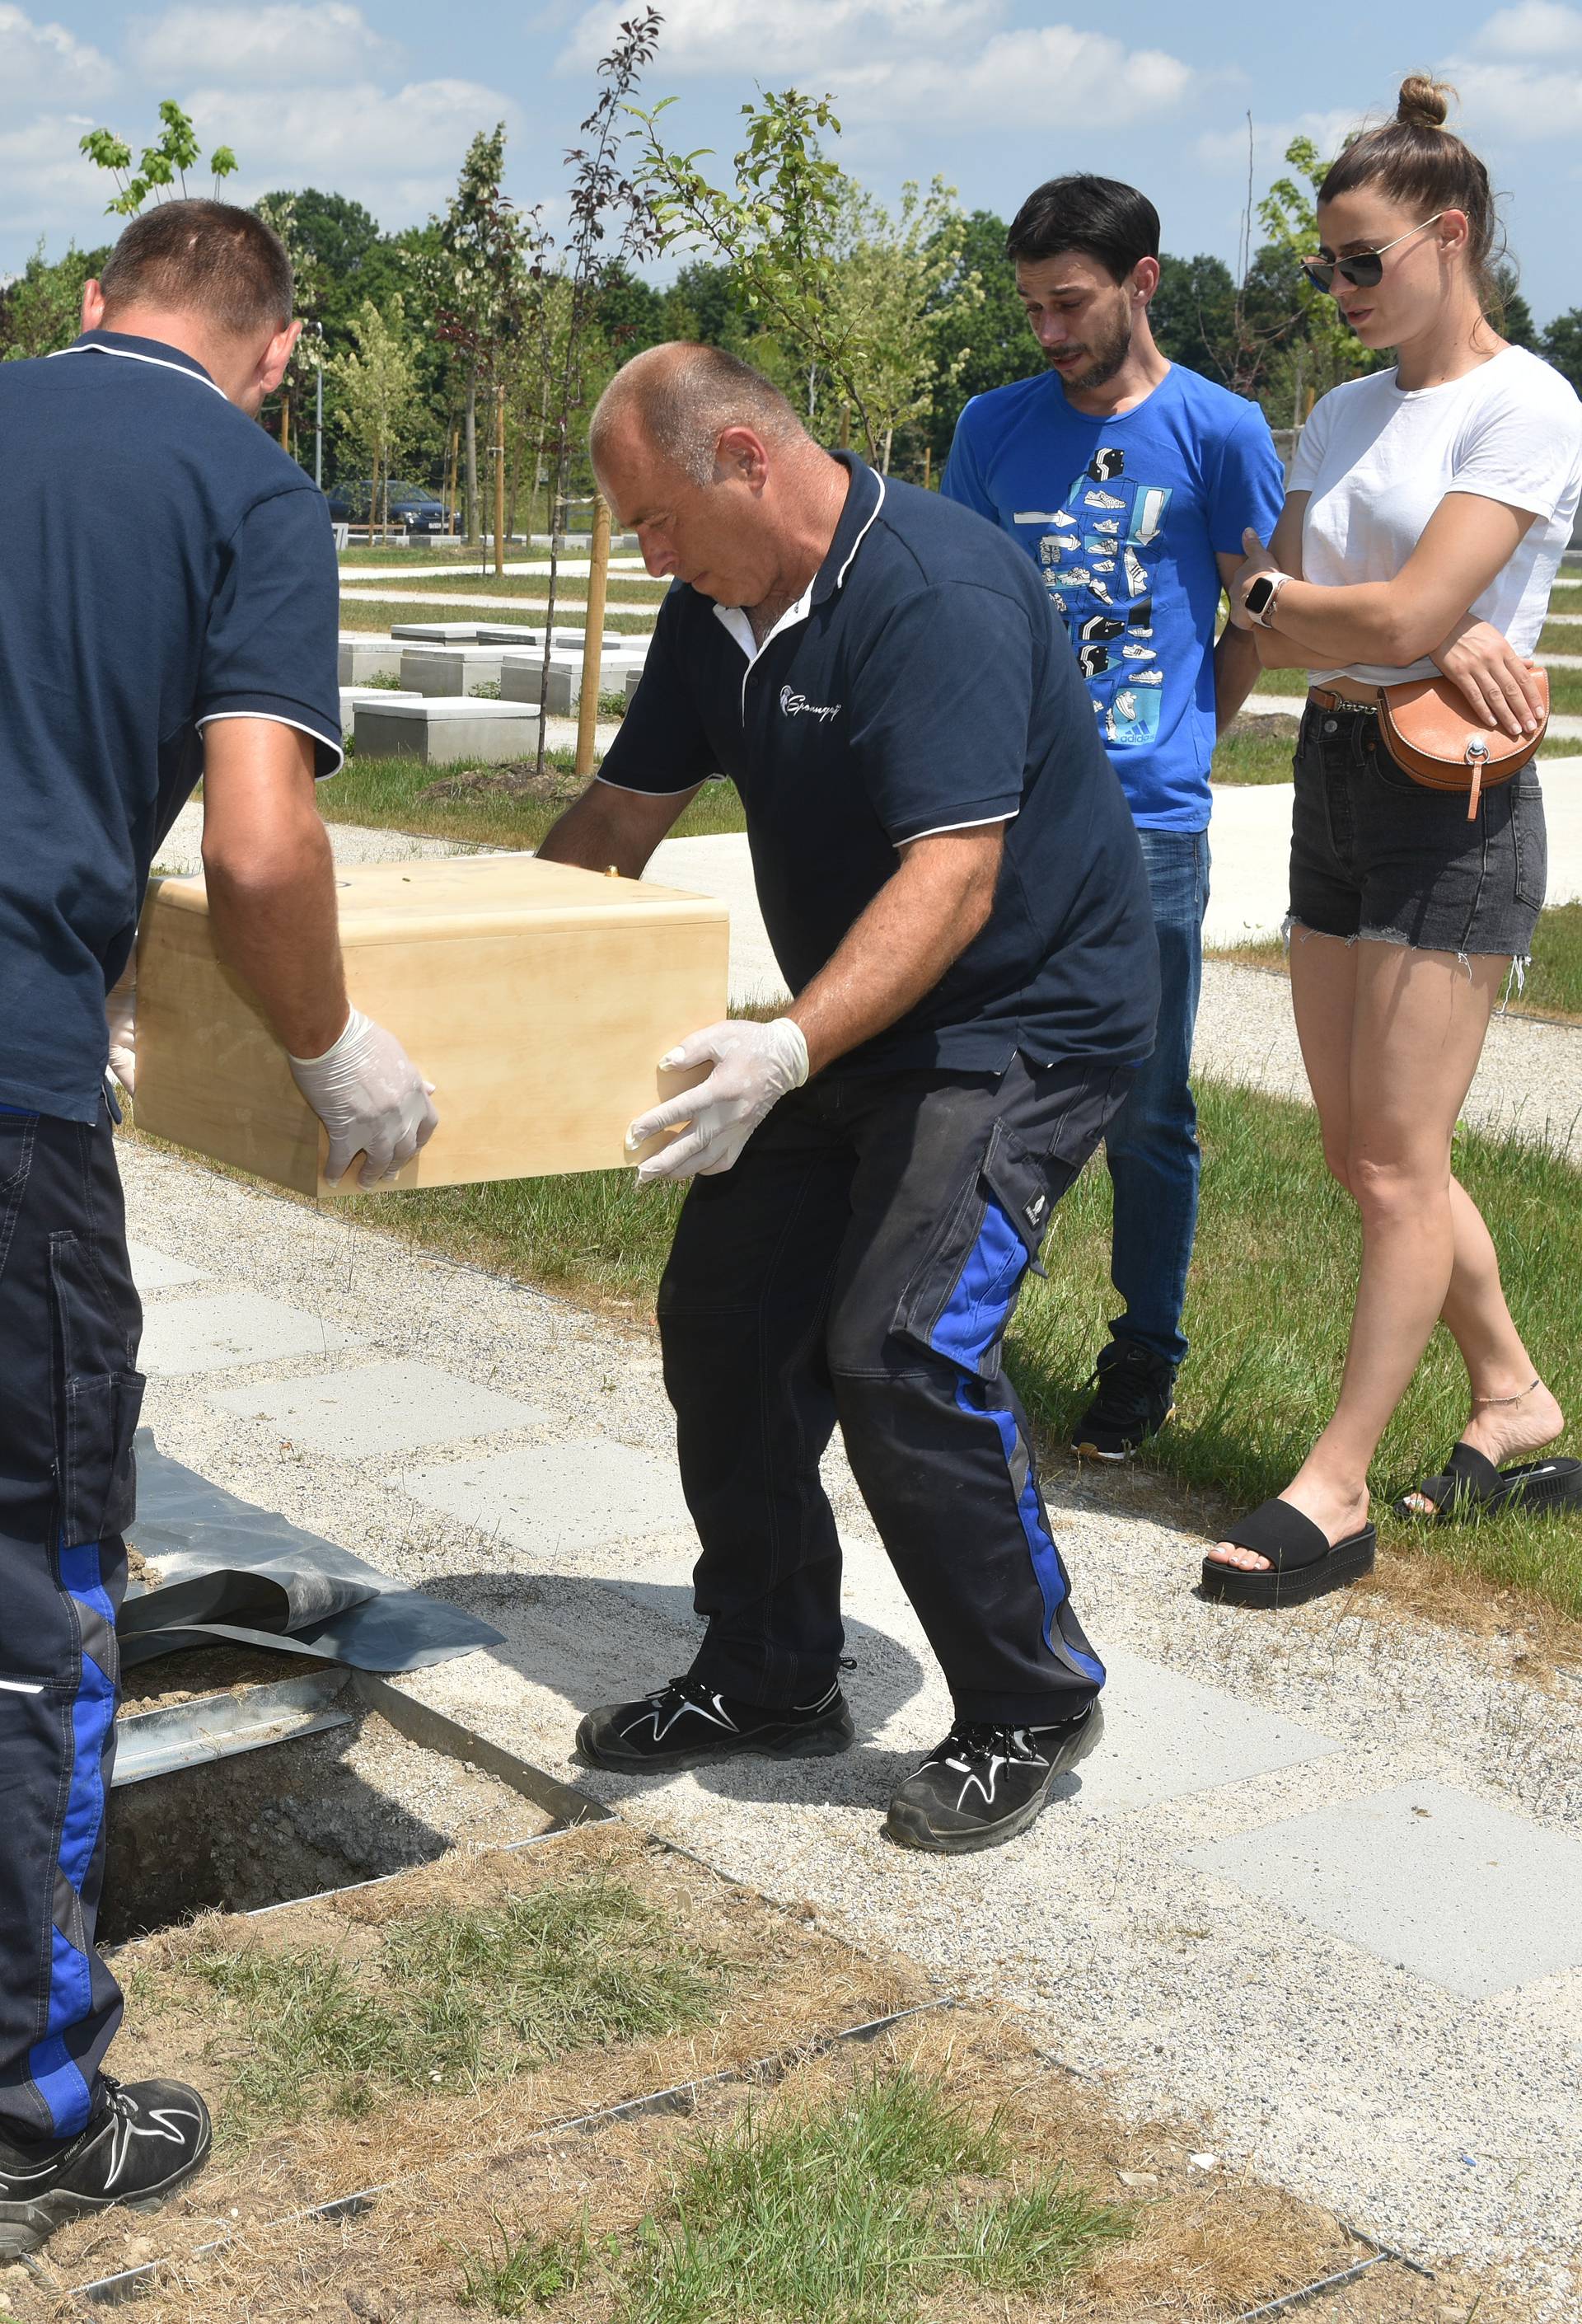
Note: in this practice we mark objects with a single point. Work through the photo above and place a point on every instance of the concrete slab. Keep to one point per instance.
(379, 1408)
(1425, 1878)
(1166, 1736)
(220, 1331)
(362, 658)
(521, 678)
(550, 1498)
(450, 669)
(353, 698)
(443, 729)
(440, 633)
(153, 1271)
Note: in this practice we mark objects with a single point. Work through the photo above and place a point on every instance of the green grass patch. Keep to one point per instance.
(378, 614)
(1561, 638)
(571, 589)
(862, 2210)
(1268, 1308)
(493, 807)
(448, 2000)
(1255, 751)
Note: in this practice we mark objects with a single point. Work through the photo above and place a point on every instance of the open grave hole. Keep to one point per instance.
(594, 2082)
(329, 1793)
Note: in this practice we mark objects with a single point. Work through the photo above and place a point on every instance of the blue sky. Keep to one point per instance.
(379, 102)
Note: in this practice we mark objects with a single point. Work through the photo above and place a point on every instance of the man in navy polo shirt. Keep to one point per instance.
(956, 898)
(168, 609)
(1129, 482)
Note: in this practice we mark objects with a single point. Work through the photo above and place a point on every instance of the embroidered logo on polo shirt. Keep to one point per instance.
(798, 705)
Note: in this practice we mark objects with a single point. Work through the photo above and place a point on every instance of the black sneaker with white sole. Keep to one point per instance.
(984, 1784)
(687, 1724)
(143, 2140)
(1136, 1395)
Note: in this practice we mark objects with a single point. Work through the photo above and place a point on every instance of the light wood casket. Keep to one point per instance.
(538, 999)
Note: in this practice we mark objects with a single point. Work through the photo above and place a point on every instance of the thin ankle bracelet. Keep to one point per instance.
(1521, 1392)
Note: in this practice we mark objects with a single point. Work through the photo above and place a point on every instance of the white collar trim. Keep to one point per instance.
(732, 619)
(130, 355)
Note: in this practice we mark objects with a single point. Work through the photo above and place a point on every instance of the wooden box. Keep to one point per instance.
(538, 999)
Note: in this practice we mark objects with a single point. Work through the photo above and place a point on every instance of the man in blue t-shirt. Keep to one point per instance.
(1129, 482)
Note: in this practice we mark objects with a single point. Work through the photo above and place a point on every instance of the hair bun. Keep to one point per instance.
(1423, 104)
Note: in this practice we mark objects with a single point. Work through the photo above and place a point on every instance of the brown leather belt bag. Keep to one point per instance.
(1431, 730)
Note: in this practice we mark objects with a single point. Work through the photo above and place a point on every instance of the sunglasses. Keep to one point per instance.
(1367, 269)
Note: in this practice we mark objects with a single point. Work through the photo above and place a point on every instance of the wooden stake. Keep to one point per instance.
(499, 479)
(286, 419)
(587, 711)
(456, 437)
(927, 467)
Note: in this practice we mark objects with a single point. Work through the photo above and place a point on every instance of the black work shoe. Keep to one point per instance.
(1136, 1396)
(984, 1784)
(143, 2140)
(686, 1725)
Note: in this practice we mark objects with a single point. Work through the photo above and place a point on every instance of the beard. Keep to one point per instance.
(1106, 353)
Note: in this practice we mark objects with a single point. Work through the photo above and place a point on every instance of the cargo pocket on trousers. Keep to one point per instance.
(101, 1397)
(960, 1298)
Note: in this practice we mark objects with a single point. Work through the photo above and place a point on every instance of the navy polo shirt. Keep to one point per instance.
(921, 685)
(162, 565)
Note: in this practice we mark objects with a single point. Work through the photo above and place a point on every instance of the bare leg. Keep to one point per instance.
(1418, 1025)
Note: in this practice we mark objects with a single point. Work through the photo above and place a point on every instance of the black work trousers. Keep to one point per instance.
(69, 1324)
(860, 1264)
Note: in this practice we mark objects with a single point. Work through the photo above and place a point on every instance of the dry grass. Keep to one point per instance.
(589, 2214)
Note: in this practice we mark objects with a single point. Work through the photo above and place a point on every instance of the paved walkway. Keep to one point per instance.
(1322, 1885)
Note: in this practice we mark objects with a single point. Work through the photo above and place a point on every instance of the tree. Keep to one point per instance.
(845, 299)
(1509, 311)
(41, 309)
(982, 344)
(162, 168)
(1192, 314)
(1319, 346)
(614, 223)
(377, 410)
(476, 275)
(1562, 345)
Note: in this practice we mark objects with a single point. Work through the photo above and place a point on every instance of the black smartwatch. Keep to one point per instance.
(1259, 602)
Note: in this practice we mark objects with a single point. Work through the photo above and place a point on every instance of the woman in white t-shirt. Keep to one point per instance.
(1427, 509)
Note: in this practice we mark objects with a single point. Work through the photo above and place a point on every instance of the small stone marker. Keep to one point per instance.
(550, 1498)
(1426, 1878)
(442, 729)
(379, 1408)
(223, 1329)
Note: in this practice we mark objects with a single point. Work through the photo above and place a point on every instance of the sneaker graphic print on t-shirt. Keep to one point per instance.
(1092, 558)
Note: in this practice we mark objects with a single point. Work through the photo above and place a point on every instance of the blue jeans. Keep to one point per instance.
(1152, 1144)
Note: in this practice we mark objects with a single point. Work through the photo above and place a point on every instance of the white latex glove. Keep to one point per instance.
(754, 1066)
(120, 1015)
(371, 1098)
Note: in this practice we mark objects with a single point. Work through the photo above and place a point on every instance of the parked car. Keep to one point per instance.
(413, 506)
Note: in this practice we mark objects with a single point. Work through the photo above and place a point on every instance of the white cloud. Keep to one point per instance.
(280, 44)
(1018, 80)
(1538, 28)
(809, 38)
(1225, 150)
(396, 150)
(46, 64)
(1525, 101)
(44, 180)
(943, 62)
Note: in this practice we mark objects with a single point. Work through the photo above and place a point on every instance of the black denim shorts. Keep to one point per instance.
(1375, 854)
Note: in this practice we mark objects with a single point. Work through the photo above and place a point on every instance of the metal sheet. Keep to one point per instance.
(220, 1726)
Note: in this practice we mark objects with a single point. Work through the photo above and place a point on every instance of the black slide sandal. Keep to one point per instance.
(1302, 1564)
(1470, 1486)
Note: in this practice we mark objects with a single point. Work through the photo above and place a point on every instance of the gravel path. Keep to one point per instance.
(1449, 2120)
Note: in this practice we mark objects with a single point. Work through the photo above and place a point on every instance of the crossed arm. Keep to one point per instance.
(1424, 610)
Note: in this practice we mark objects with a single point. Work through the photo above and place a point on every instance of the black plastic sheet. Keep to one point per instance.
(230, 1571)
